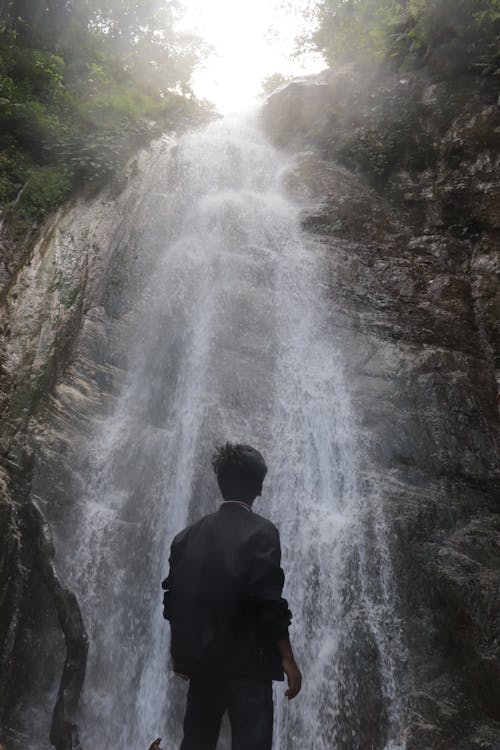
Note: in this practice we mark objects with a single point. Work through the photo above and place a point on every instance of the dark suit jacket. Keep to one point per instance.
(223, 596)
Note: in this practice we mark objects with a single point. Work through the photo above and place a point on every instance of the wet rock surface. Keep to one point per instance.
(400, 176)
(59, 369)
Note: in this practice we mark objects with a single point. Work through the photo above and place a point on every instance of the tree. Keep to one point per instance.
(272, 82)
(80, 80)
(409, 32)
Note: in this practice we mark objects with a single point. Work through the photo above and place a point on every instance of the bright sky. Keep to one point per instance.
(251, 39)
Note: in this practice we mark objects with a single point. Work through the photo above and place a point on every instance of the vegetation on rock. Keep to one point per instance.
(450, 35)
(79, 84)
(272, 82)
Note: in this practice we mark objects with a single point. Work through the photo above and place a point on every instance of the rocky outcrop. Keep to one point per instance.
(399, 176)
(53, 336)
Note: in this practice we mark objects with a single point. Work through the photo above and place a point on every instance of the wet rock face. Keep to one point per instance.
(57, 373)
(401, 176)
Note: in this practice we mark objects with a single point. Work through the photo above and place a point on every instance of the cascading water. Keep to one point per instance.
(229, 339)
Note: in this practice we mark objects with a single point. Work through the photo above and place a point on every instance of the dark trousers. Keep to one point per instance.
(249, 704)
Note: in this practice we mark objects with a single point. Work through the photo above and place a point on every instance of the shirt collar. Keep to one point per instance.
(237, 502)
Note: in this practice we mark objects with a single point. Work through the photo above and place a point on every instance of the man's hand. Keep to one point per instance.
(294, 677)
(290, 668)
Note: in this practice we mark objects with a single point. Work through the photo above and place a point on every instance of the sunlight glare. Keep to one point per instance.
(251, 40)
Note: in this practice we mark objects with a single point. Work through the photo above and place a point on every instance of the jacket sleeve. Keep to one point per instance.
(265, 584)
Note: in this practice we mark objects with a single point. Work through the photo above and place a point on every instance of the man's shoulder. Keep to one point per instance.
(257, 523)
(264, 524)
(193, 528)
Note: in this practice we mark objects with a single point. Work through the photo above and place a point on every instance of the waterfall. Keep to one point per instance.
(229, 337)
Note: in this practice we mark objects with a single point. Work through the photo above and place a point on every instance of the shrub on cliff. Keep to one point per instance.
(80, 83)
(449, 35)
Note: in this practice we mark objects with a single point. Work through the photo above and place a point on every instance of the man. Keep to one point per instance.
(228, 620)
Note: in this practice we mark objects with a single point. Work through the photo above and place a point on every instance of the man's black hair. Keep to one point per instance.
(240, 471)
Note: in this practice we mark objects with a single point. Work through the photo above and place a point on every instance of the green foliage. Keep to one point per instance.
(14, 171)
(272, 82)
(42, 191)
(46, 188)
(80, 84)
(355, 29)
(450, 35)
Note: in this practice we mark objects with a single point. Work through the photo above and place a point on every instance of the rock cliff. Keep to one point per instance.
(402, 177)
(58, 372)
(399, 176)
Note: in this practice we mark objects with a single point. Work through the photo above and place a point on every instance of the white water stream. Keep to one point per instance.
(232, 341)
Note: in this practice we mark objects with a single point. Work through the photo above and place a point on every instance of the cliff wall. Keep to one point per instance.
(402, 175)
(399, 179)
(57, 376)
